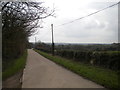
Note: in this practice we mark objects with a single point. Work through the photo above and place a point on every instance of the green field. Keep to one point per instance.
(15, 66)
(105, 77)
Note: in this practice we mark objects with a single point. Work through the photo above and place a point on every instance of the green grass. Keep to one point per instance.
(15, 66)
(105, 77)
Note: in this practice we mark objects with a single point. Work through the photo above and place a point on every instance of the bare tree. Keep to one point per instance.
(19, 21)
(24, 14)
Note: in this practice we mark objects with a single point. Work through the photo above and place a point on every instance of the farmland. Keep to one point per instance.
(97, 62)
(107, 78)
(103, 55)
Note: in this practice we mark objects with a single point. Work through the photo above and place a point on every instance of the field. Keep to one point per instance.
(97, 62)
(103, 55)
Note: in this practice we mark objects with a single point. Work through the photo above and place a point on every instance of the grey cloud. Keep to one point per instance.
(99, 27)
(95, 24)
(99, 5)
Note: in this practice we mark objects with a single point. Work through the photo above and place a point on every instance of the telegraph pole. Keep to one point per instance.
(52, 40)
(35, 39)
(35, 42)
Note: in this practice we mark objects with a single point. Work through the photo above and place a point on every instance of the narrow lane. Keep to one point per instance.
(43, 73)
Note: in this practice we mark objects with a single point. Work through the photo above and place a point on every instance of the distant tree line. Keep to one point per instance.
(90, 47)
(79, 47)
(43, 47)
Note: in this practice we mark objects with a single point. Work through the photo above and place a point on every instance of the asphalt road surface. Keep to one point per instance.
(43, 73)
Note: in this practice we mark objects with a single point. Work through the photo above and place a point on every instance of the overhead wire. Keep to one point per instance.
(88, 14)
(84, 17)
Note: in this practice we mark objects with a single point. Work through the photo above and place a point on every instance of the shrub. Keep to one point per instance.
(104, 59)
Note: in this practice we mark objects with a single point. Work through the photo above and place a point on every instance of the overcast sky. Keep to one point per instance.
(99, 28)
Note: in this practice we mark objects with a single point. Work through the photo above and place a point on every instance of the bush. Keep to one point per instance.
(104, 59)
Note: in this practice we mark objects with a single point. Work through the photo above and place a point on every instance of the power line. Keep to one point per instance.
(83, 17)
(88, 15)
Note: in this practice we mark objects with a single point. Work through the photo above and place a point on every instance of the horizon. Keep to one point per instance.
(73, 43)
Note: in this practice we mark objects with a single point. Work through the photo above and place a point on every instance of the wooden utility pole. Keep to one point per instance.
(35, 39)
(52, 40)
(35, 43)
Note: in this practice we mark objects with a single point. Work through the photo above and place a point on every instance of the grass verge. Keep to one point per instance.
(15, 66)
(105, 77)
